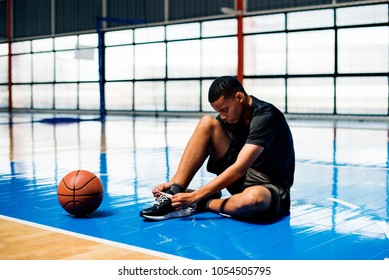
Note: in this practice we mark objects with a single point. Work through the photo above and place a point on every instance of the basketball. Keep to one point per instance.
(80, 192)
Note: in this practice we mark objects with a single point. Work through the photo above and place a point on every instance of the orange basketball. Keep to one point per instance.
(80, 192)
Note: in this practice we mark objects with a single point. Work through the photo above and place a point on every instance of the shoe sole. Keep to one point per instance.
(176, 214)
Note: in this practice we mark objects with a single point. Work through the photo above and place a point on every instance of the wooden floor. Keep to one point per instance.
(26, 242)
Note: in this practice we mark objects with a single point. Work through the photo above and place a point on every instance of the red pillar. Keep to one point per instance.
(239, 7)
(9, 36)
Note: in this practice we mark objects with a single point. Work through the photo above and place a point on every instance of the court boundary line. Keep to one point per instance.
(95, 239)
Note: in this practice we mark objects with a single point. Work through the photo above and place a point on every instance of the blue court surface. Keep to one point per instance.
(340, 198)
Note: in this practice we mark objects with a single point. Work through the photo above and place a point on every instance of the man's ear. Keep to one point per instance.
(240, 96)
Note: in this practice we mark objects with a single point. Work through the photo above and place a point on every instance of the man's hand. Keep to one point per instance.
(182, 200)
(160, 188)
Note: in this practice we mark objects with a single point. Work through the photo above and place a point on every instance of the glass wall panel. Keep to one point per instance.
(205, 85)
(219, 57)
(3, 69)
(43, 67)
(150, 61)
(65, 96)
(65, 43)
(149, 96)
(363, 50)
(43, 96)
(118, 96)
(66, 66)
(119, 63)
(183, 31)
(311, 19)
(21, 68)
(362, 95)
(265, 23)
(4, 49)
(219, 27)
(311, 95)
(269, 90)
(311, 52)
(88, 41)
(21, 96)
(88, 63)
(265, 54)
(184, 59)
(149, 34)
(120, 37)
(183, 96)
(89, 96)
(362, 15)
(42, 45)
(3, 96)
(21, 47)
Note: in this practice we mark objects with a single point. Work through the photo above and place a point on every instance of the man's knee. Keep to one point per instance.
(256, 198)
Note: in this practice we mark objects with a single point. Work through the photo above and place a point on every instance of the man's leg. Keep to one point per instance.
(251, 201)
(209, 138)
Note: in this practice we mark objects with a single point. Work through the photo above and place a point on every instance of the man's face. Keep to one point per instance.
(230, 109)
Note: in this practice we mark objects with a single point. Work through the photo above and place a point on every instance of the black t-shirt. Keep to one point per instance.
(269, 129)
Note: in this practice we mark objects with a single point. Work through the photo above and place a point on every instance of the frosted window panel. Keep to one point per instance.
(265, 54)
(184, 59)
(4, 49)
(150, 60)
(3, 69)
(120, 37)
(149, 34)
(219, 57)
(266, 23)
(149, 96)
(21, 68)
(119, 63)
(65, 96)
(362, 95)
(363, 50)
(183, 31)
(21, 47)
(362, 15)
(3, 96)
(65, 43)
(118, 96)
(311, 52)
(21, 96)
(89, 96)
(43, 67)
(269, 90)
(88, 62)
(43, 96)
(66, 66)
(219, 27)
(311, 95)
(183, 96)
(42, 45)
(206, 106)
(311, 19)
(88, 40)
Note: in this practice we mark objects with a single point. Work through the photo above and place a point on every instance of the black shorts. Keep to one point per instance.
(280, 204)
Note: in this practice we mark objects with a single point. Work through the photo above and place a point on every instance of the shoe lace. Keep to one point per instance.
(164, 197)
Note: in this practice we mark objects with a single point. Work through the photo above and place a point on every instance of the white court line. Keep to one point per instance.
(96, 239)
(385, 227)
(345, 203)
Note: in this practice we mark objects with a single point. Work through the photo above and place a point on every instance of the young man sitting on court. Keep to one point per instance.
(250, 149)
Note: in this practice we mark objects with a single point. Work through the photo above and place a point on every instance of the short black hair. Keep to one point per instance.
(225, 86)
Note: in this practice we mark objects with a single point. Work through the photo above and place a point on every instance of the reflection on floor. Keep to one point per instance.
(340, 199)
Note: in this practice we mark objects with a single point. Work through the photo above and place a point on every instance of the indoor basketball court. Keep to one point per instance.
(119, 91)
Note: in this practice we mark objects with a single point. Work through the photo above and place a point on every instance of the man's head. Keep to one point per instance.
(228, 97)
(226, 86)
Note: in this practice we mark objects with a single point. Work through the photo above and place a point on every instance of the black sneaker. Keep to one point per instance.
(163, 209)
